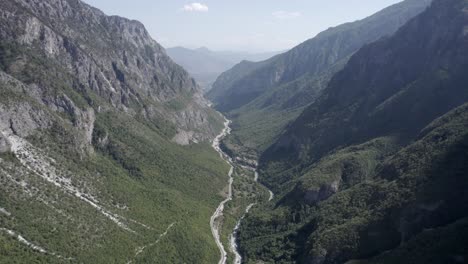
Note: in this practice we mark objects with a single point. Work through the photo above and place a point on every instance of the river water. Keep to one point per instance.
(215, 221)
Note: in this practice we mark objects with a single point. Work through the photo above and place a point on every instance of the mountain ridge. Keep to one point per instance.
(274, 93)
(104, 142)
(376, 164)
(296, 62)
(206, 65)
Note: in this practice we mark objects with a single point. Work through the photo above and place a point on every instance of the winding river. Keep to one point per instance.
(215, 221)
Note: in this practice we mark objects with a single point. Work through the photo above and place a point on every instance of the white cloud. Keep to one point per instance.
(195, 7)
(286, 15)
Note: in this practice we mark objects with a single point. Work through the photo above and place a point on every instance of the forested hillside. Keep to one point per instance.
(105, 142)
(374, 171)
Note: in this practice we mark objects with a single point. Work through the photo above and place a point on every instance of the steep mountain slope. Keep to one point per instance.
(392, 87)
(206, 65)
(378, 163)
(228, 78)
(406, 208)
(91, 111)
(267, 97)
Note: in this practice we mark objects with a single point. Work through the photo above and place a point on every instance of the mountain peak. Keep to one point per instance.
(204, 49)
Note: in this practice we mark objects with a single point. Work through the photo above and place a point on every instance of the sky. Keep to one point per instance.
(240, 25)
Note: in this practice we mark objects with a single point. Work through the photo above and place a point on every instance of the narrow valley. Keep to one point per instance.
(216, 221)
(234, 132)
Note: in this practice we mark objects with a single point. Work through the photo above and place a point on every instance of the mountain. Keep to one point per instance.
(206, 65)
(396, 92)
(105, 153)
(228, 78)
(374, 170)
(263, 98)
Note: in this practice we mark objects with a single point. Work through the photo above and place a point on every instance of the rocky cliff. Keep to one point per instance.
(104, 142)
(110, 57)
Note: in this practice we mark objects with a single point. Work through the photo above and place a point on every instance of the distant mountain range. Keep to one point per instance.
(206, 65)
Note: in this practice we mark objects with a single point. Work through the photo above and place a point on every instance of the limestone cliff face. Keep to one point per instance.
(91, 114)
(112, 61)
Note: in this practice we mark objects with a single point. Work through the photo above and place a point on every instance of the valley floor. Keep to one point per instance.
(244, 192)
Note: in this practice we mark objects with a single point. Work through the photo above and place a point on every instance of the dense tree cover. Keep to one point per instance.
(374, 171)
(130, 168)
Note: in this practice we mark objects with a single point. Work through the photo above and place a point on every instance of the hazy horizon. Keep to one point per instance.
(225, 50)
(260, 26)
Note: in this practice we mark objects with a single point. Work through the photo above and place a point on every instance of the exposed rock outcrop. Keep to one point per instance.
(22, 119)
(323, 193)
(5, 145)
(110, 56)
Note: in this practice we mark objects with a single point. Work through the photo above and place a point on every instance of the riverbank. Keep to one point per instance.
(244, 192)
